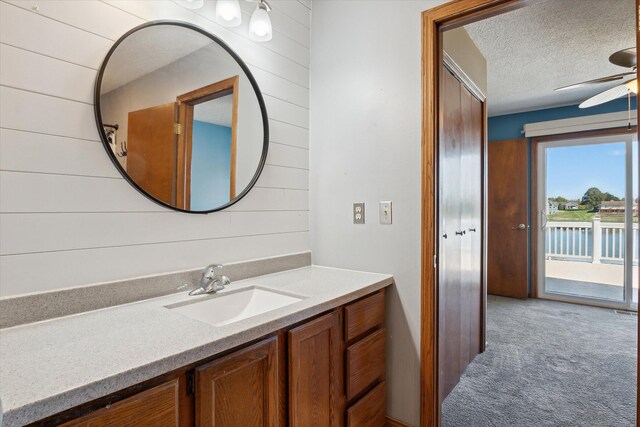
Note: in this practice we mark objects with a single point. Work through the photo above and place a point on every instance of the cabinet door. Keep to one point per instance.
(314, 373)
(240, 389)
(156, 407)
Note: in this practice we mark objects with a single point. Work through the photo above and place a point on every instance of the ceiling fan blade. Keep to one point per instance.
(606, 96)
(595, 81)
(624, 58)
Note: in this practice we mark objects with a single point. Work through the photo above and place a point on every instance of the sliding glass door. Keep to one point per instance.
(588, 212)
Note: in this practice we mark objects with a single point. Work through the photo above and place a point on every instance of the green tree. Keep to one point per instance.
(594, 198)
(608, 197)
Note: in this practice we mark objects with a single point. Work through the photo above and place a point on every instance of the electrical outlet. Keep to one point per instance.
(358, 213)
(385, 212)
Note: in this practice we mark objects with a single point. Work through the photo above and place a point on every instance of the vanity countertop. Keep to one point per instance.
(50, 366)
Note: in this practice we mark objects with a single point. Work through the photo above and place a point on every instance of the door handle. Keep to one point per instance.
(460, 233)
(519, 227)
(472, 230)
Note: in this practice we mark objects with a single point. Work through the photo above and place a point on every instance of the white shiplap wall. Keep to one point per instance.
(67, 218)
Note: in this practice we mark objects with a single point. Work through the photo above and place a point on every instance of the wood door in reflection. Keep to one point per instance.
(151, 156)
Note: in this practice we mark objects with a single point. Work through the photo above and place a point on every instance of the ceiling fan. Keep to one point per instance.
(624, 58)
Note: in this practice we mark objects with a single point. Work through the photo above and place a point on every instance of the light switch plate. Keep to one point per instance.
(385, 212)
(358, 213)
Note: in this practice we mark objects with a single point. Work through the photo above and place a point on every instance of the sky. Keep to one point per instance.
(573, 170)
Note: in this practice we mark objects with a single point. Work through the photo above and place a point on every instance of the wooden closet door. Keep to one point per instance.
(460, 218)
(471, 221)
(450, 237)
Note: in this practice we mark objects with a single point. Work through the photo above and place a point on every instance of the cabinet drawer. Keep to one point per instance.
(365, 363)
(370, 410)
(364, 315)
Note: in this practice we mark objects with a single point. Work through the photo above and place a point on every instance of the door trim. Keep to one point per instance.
(434, 21)
(447, 16)
(535, 209)
(457, 71)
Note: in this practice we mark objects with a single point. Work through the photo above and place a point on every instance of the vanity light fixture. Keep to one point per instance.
(228, 13)
(260, 24)
(190, 4)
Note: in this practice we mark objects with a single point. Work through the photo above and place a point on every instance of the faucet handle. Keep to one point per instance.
(217, 284)
(210, 271)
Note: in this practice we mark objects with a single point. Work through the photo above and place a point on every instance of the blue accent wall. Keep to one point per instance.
(210, 165)
(510, 126)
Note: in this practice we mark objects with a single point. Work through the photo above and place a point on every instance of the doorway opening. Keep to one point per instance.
(207, 145)
(435, 21)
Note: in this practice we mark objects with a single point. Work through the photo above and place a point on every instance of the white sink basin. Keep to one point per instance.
(225, 308)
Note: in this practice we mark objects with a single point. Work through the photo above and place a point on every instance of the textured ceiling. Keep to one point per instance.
(550, 44)
(218, 111)
(148, 50)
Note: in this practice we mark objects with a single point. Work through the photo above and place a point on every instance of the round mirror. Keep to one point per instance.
(181, 117)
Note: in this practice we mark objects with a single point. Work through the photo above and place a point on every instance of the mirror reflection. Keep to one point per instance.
(182, 117)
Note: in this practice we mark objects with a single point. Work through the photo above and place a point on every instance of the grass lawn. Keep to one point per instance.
(584, 215)
(577, 215)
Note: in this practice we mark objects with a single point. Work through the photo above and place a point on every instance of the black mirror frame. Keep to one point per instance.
(254, 84)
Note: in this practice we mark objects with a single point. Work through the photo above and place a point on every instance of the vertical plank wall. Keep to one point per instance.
(67, 218)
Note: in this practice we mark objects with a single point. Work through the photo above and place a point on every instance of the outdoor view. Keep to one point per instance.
(585, 239)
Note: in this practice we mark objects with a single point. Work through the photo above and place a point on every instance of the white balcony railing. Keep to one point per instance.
(594, 241)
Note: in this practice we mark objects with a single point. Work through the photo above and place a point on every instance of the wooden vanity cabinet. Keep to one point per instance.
(327, 372)
(240, 389)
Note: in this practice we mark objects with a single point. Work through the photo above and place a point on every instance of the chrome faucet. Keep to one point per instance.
(210, 283)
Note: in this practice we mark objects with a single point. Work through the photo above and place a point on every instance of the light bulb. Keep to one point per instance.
(260, 24)
(190, 4)
(228, 13)
(632, 85)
